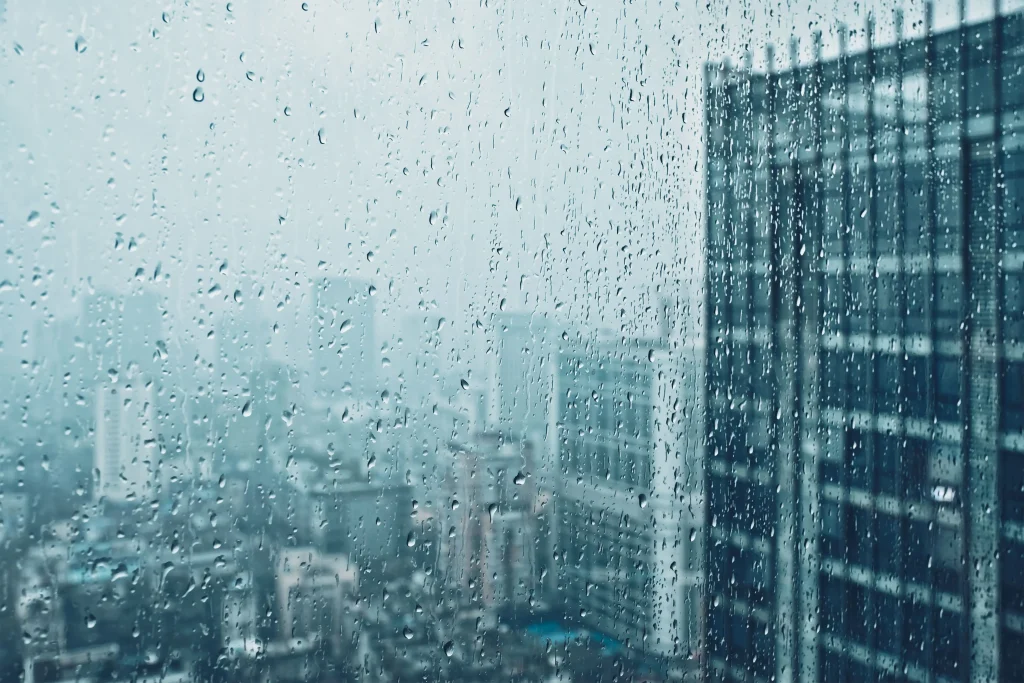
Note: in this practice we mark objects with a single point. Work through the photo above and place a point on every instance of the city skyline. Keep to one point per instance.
(569, 342)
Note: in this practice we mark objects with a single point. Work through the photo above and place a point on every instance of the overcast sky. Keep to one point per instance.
(462, 156)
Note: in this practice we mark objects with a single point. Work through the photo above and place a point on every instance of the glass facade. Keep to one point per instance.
(868, 201)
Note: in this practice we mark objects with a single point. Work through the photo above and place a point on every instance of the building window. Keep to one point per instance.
(947, 389)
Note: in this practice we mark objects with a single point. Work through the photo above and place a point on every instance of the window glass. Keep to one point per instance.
(576, 341)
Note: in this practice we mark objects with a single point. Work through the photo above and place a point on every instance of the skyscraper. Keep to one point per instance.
(866, 460)
(420, 356)
(243, 341)
(629, 507)
(120, 332)
(126, 449)
(491, 549)
(60, 356)
(342, 338)
(524, 373)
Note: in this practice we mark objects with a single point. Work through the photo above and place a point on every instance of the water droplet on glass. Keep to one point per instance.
(90, 621)
(411, 540)
(198, 95)
(321, 135)
(643, 501)
(200, 76)
(519, 479)
(407, 632)
(247, 409)
(305, 7)
(80, 45)
(464, 383)
(432, 219)
(33, 219)
(492, 510)
(449, 648)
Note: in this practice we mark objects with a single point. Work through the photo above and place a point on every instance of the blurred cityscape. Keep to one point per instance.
(172, 518)
(823, 480)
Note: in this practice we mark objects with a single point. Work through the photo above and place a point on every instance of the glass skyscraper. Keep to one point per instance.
(865, 361)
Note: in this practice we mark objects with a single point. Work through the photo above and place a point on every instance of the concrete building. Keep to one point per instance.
(421, 357)
(241, 364)
(313, 592)
(866, 458)
(120, 332)
(62, 375)
(489, 523)
(126, 448)
(524, 361)
(629, 504)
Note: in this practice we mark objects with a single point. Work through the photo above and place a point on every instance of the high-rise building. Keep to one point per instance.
(864, 363)
(311, 594)
(59, 356)
(126, 449)
(629, 503)
(490, 523)
(342, 339)
(421, 357)
(243, 341)
(524, 373)
(122, 332)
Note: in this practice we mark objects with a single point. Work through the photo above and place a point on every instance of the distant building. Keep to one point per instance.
(343, 341)
(83, 606)
(340, 510)
(126, 450)
(121, 332)
(524, 360)
(865, 362)
(314, 593)
(629, 502)
(243, 341)
(62, 376)
(421, 355)
(489, 523)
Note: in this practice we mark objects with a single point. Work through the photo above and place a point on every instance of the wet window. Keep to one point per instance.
(577, 341)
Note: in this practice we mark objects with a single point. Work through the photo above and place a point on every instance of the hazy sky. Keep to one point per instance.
(457, 154)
